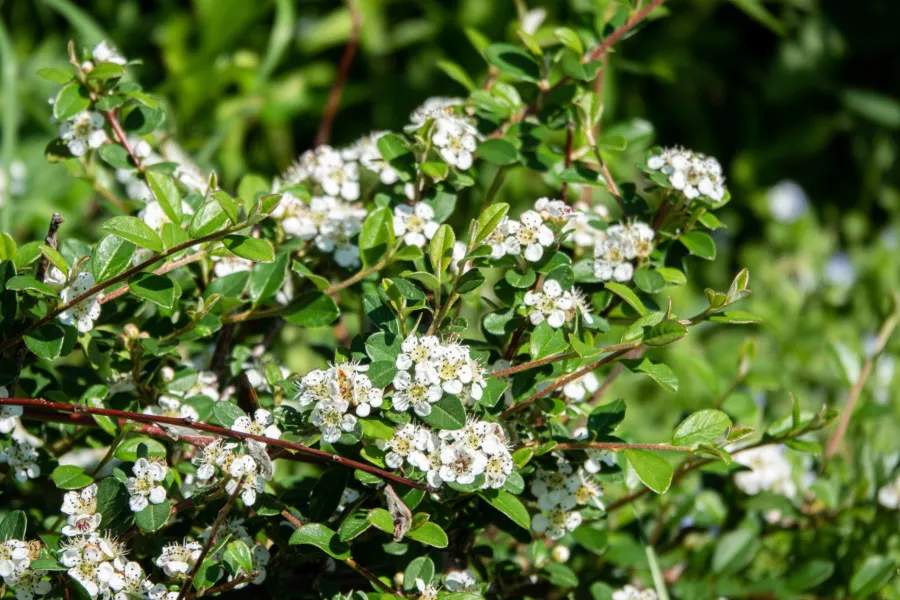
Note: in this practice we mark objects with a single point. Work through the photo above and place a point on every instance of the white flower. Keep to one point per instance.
(889, 495)
(632, 593)
(583, 489)
(83, 314)
(555, 210)
(769, 471)
(145, 487)
(428, 459)
(459, 581)
(612, 256)
(83, 132)
(406, 439)
(106, 52)
(528, 236)
(178, 559)
(172, 406)
(22, 458)
(556, 523)
(426, 592)
(550, 304)
(692, 173)
(419, 391)
(370, 158)
(578, 389)
(346, 382)
(456, 140)
(243, 470)
(433, 108)
(263, 423)
(415, 224)
(9, 415)
(787, 201)
(584, 234)
(82, 510)
(14, 556)
(461, 465)
(497, 469)
(497, 238)
(331, 417)
(214, 454)
(336, 174)
(29, 583)
(230, 264)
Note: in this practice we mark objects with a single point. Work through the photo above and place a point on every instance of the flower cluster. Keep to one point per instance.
(456, 140)
(630, 592)
(428, 367)
(415, 224)
(366, 151)
(526, 237)
(460, 456)
(435, 107)
(559, 493)
(335, 172)
(9, 415)
(15, 569)
(334, 392)
(769, 471)
(555, 306)
(146, 485)
(583, 225)
(623, 244)
(177, 559)
(329, 222)
(692, 173)
(22, 459)
(83, 132)
(238, 469)
(83, 314)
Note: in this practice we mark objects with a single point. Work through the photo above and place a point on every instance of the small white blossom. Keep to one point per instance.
(578, 389)
(692, 173)
(370, 157)
(106, 52)
(528, 236)
(178, 559)
(461, 465)
(632, 593)
(337, 174)
(556, 523)
(230, 264)
(9, 415)
(145, 487)
(549, 304)
(426, 591)
(263, 423)
(889, 495)
(787, 201)
(406, 439)
(584, 233)
(81, 508)
(83, 132)
(456, 140)
(459, 581)
(22, 459)
(434, 108)
(83, 314)
(555, 211)
(415, 224)
(769, 471)
(332, 419)
(172, 406)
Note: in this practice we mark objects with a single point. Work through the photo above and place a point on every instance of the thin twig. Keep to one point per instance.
(123, 139)
(97, 288)
(515, 408)
(211, 540)
(319, 456)
(337, 88)
(883, 335)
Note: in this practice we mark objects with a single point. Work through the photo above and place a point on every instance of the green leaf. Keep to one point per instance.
(21, 283)
(127, 450)
(546, 341)
(382, 372)
(810, 574)
(153, 516)
(312, 309)
(8, 250)
(447, 413)
(71, 100)
(112, 503)
(736, 317)
(561, 575)
(441, 250)
(134, 230)
(470, 281)
(237, 557)
(376, 238)
(55, 74)
(653, 470)
(326, 494)
(605, 418)
(734, 549)
(664, 333)
(255, 249)
(323, 538)
(498, 151)
(228, 204)
(569, 39)
(111, 257)
(226, 413)
(509, 505)
(47, 341)
(872, 576)
(13, 526)
(429, 534)
(513, 61)
(626, 294)
(422, 568)
(699, 244)
(658, 372)
(166, 193)
(489, 219)
(706, 426)
(456, 73)
(56, 259)
(353, 526)
(157, 289)
(267, 278)
(70, 477)
(208, 219)
(757, 10)
(649, 281)
(208, 574)
(382, 347)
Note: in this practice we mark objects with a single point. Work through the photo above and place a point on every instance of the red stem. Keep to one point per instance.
(337, 88)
